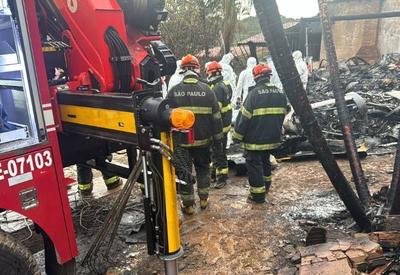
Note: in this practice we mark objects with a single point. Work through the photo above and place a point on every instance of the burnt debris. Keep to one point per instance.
(378, 84)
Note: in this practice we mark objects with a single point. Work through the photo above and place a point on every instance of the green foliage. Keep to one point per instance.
(247, 28)
(192, 26)
(197, 25)
(231, 9)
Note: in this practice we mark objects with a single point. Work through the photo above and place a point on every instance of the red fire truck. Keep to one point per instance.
(71, 76)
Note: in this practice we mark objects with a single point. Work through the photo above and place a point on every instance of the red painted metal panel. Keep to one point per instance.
(36, 173)
(40, 168)
(88, 22)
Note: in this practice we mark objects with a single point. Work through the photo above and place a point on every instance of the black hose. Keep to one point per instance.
(120, 59)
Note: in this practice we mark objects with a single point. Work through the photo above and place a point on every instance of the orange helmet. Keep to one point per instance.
(261, 70)
(213, 67)
(190, 61)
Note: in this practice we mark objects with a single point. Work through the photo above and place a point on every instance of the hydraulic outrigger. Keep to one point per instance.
(153, 119)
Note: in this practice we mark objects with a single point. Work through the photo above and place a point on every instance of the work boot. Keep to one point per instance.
(203, 203)
(85, 190)
(221, 181)
(250, 199)
(113, 184)
(188, 210)
(220, 184)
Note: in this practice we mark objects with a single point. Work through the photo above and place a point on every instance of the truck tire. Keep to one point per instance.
(15, 258)
(52, 266)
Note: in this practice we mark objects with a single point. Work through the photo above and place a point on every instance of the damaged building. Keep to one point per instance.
(366, 38)
(354, 34)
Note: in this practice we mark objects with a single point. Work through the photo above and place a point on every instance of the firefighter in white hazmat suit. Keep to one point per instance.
(301, 67)
(228, 73)
(245, 81)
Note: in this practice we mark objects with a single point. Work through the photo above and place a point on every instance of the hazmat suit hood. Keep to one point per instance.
(227, 59)
(297, 56)
(178, 66)
(177, 77)
(251, 63)
(227, 71)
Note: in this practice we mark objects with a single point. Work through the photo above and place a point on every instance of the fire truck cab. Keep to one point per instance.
(32, 181)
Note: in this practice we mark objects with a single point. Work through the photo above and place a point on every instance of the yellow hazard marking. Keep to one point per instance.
(99, 118)
(48, 49)
(171, 205)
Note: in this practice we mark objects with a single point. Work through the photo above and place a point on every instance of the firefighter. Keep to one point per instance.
(194, 95)
(85, 179)
(259, 129)
(223, 92)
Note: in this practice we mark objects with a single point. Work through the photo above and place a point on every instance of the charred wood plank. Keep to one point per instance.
(343, 112)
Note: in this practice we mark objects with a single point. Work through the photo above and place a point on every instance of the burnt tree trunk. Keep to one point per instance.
(343, 112)
(394, 193)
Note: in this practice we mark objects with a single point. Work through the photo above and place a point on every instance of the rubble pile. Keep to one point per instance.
(378, 84)
(350, 256)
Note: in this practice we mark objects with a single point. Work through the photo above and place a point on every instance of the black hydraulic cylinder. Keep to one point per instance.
(394, 193)
(271, 25)
(149, 227)
(341, 105)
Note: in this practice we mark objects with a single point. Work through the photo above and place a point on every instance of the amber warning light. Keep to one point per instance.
(182, 119)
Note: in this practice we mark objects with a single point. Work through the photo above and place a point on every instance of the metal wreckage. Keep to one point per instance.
(372, 97)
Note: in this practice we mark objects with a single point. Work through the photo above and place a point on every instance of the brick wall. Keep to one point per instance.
(389, 32)
(355, 37)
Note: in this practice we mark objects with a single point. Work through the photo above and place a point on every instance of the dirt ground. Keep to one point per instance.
(232, 236)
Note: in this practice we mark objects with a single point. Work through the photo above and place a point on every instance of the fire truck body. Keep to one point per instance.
(31, 168)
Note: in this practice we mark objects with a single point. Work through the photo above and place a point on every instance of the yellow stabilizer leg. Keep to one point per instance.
(171, 205)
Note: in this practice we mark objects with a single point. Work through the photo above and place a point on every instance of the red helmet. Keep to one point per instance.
(213, 67)
(190, 61)
(261, 70)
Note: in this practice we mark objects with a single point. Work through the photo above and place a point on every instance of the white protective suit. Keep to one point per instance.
(246, 80)
(164, 87)
(301, 67)
(275, 80)
(177, 77)
(227, 70)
